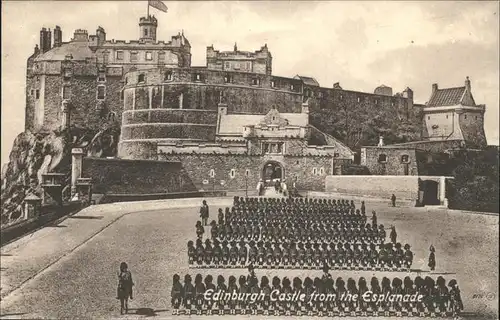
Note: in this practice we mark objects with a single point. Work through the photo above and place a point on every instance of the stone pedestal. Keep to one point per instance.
(76, 168)
(84, 190)
(32, 206)
(52, 184)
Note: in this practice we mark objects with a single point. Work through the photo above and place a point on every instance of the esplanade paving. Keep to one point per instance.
(68, 269)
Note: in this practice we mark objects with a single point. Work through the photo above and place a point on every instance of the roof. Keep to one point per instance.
(449, 97)
(234, 123)
(78, 49)
(308, 80)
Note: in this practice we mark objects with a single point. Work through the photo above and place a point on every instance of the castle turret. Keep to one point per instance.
(57, 37)
(147, 27)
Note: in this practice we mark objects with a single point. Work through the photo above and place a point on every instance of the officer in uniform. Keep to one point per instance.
(408, 256)
(233, 255)
(199, 289)
(177, 293)
(242, 253)
(209, 286)
(188, 292)
(217, 253)
(253, 252)
(191, 252)
(208, 253)
(225, 253)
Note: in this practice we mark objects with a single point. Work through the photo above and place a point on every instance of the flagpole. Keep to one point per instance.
(148, 10)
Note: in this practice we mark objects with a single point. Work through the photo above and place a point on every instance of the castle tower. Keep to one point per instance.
(147, 27)
(452, 114)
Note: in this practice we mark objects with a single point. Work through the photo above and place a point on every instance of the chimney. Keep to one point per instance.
(235, 47)
(467, 83)
(48, 39)
(37, 50)
(43, 36)
(434, 87)
(57, 37)
(380, 141)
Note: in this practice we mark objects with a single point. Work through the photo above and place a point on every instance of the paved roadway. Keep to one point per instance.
(69, 270)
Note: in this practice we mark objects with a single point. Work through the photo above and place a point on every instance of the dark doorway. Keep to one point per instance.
(430, 189)
(272, 171)
(406, 168)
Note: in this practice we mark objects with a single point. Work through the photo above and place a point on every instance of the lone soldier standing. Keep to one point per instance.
(204, 213)
(432, 258)
(393, 200)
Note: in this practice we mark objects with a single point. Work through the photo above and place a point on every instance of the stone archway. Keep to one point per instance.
(272, 171)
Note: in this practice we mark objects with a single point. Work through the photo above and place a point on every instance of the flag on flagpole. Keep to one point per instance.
(158, 4)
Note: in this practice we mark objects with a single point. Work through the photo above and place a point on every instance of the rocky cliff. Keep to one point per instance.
(33, 154)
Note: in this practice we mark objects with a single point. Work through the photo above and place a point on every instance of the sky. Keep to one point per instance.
(359, 44)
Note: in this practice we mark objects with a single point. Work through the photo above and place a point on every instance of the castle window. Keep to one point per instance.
(256, 81)
(149, 56)
(446, 116)
(126, 80)
(168, 76)
(382, 158)
(145, 32)
(133, 56)
(336, 155)
(37, 94)
(141, 78)
(247, 172)
(32, 92)
(392, 103)
(227, 78)
(101, 92)
(465, 117)
(292, 87)
(359, 99)
(119, 55)
(273, 84)
(105, 57)
(66, 92)
(111, 116)
(475, 117)
(428, 117)
(212, 173)
(249, 66)
(315, 171)
(227, 66)
(67, 73)
(298, 162)
(236, 66)
(405, 158)
(342, 98)
(376, 101)
(101, 77)
(232, 173)
(279, 148)
(197, 77)
(161, 56)
(320, 94)
(122, 95)
(321, 171)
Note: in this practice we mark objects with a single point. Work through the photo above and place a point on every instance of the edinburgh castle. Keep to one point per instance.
(222, 124)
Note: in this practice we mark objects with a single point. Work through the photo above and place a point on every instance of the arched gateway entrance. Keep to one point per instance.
(272, 171)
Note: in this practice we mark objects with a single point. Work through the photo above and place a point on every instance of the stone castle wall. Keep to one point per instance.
(118, 176)
(308, 172)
